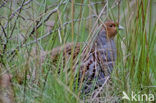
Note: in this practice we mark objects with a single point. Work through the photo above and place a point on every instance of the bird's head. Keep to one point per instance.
(111, 28)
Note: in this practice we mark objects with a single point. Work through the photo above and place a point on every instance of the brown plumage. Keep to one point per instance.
(66, 50)
(97, 60)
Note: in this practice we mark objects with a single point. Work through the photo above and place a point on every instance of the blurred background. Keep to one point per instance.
(31, 28)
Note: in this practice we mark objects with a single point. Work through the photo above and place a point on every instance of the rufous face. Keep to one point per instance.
(111, 28)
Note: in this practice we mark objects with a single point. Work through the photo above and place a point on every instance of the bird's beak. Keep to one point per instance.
(121, 27)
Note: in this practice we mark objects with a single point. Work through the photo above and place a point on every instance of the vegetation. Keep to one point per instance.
(31, 28)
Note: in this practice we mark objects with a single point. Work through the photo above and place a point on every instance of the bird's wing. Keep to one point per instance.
(67, 51)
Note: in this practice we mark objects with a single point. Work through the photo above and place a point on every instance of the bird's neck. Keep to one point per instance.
(104, 45)
(102, 39)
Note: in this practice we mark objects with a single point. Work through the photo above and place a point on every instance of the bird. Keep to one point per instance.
(96, 61)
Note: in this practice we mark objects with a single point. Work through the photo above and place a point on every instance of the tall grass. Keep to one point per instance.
(76, 21)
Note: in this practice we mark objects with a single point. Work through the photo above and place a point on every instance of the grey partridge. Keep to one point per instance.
(97, 60)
